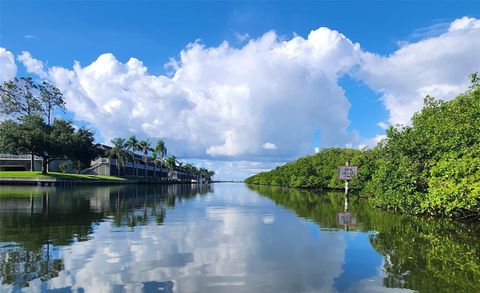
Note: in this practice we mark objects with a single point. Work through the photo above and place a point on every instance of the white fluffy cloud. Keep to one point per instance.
(222, 101)
(32, 65)
(8, 68)
(437, 66)
(269, 146)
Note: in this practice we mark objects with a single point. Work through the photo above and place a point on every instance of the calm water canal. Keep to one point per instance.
(223, 238)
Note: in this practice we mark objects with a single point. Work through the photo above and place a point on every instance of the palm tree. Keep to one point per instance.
(210, 174)
(156, 161)
(161, 150)
(191, 170)
(205, 174)
(119, 152)
(132, 147)
(181, 168)
(145, 147)
(170, 163)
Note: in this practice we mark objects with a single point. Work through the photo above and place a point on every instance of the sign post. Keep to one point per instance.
(346, 188)
(346, 219)
(347, 173)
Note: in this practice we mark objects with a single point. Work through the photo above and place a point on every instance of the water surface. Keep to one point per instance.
(224, 238)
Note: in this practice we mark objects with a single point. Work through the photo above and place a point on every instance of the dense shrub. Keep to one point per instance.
(430, 167)
(317, 171)
(433, 166)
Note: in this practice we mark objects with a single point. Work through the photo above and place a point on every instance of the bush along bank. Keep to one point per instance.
(431, 167)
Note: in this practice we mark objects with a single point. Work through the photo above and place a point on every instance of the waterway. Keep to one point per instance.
(224, 238)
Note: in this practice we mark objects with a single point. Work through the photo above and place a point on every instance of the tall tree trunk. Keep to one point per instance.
(44, 165)
(32, 162)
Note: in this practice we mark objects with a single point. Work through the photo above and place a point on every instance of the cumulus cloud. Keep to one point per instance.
(7, 65)
(383, 125)
(371, 141)
(464, 23)
(269, 146)
(221, 101)
(436, 66)
(32, 65)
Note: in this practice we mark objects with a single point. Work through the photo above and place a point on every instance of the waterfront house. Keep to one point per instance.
(132, 167)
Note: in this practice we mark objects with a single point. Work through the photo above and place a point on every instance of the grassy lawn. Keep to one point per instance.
(38, 174)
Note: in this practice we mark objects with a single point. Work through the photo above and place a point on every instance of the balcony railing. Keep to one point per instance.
(17, 157)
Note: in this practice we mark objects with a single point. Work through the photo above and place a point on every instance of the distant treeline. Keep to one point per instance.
(430, 167)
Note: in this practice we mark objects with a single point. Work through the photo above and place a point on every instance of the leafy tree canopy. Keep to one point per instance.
(50, 142)
(23, 97)
(429, 167)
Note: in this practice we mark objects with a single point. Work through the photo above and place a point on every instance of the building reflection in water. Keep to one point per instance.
(36, 221)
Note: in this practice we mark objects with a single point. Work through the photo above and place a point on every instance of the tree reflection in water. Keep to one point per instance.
(422, 254)
(36, 221)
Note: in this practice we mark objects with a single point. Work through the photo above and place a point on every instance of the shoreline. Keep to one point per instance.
(311, 189)
(72, 182)
(356, 192)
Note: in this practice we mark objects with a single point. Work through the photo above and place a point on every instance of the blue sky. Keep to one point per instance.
(154, 31)
(58, 33)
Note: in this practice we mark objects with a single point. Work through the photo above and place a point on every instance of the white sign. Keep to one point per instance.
(346, 219)
(347, 172)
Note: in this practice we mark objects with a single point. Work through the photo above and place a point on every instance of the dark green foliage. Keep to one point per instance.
(18, 98)
(119, 152)
(431, 167)
(316, 171)
(63, 167)
(50, 98)
(82, 150)
(22, 97)
(50, 142)
(30, 134)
